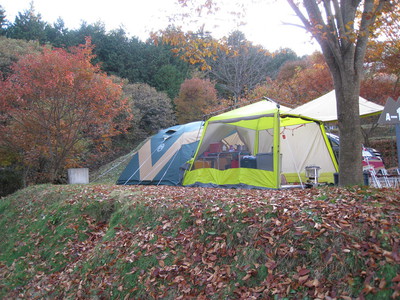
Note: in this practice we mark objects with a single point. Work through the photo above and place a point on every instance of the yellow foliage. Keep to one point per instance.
(194, 48)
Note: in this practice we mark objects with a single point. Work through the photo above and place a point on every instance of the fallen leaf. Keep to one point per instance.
(382, 283)
(396, 278)
(303, 272)
(303, 279)
(246, 277)
(367, 289)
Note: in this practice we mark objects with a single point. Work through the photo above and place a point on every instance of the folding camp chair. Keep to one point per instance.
(397, 177)
(374, 178)
(384, 178)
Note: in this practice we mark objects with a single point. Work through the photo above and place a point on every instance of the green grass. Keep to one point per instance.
(95, 241)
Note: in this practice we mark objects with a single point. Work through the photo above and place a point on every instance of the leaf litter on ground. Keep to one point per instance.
(164, 242)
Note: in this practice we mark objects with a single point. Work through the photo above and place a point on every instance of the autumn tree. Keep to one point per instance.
(241, 67)
(196, 48)
(343, 28)
(297, 82)
(383, 61)
(235, 64)
(152, 109)
(311, 80)
(382, 77)
(383, 54)
(195, 97)
(11, 50)
(58, 110)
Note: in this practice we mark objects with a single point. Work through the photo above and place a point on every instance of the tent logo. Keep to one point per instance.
(161, 147)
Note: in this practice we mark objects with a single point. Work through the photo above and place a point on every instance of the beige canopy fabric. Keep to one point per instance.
(324, 108)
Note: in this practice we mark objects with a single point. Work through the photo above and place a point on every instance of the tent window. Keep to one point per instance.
(227, 146)
(170, 132)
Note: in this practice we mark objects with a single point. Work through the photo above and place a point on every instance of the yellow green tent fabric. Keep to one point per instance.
(259, 146)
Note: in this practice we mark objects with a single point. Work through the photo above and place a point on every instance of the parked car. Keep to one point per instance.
(371, 156)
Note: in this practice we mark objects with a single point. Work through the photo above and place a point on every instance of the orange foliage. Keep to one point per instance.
(297, 82)
(56, 107)
(195, 97)
(379, 88)
(195, 48)
(383, 60)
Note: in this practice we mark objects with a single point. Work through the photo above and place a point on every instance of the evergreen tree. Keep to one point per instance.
(168, 79)
(28, 26)
(3, 21)
(162, 69)
(57, 34)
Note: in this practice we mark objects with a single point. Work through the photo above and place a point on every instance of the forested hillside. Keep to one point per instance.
(86, 97)
(163, 81)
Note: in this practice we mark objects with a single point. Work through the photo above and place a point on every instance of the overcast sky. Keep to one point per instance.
(263, 22)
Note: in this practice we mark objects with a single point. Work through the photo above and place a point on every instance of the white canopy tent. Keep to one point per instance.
(324, 108)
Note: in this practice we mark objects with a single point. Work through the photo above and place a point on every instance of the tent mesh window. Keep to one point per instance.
(227, 146)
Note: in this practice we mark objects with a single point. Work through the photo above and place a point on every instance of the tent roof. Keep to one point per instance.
(252, 110)
(324, 108)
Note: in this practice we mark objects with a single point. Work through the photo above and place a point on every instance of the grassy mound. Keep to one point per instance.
(109, 173)
(101, 241)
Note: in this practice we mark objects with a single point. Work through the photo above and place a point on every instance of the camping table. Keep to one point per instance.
(221, 160)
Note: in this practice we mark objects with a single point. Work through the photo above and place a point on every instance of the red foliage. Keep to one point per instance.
(301, 81)
(379, 88)
(57, 106)
(298, 82)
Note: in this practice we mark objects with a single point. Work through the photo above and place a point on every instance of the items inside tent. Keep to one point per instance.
(258, 146)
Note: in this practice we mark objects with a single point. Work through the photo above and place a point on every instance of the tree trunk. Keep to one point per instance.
(350, 161)
(343, 44)
(347, 87)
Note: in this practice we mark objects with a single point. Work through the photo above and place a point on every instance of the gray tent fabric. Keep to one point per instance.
(324, 108)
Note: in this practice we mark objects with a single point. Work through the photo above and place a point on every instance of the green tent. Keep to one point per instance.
(160, 158)
(261, 146)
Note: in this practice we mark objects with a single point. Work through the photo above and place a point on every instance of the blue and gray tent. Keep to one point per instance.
(161, 159)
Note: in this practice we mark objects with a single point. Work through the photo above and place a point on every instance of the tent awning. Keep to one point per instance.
(324, 108)
(254, 110)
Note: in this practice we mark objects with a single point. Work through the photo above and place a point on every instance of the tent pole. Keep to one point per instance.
(276, 153)
(162, 177)
(397, 126)
(159, 162)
